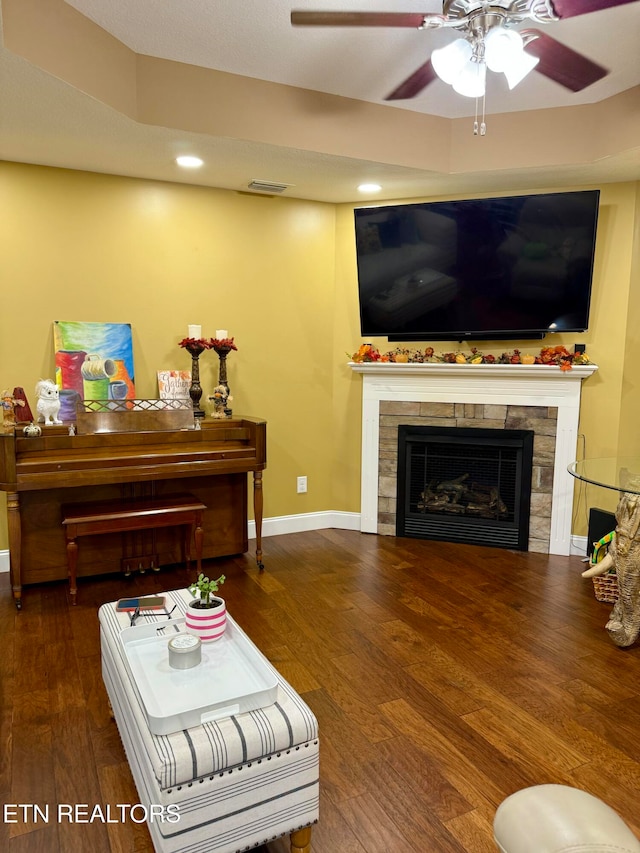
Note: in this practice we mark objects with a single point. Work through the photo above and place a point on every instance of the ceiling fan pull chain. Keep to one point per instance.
(480, 127)
(483, 126)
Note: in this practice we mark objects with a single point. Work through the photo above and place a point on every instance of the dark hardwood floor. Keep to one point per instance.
(444, 677)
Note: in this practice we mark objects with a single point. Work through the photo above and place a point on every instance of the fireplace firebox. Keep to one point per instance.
(465, 484)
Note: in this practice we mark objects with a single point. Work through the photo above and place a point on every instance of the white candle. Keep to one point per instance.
(221, 334)
(195, 332)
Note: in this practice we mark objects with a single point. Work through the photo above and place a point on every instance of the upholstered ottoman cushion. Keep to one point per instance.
(560, 819)
(234, 782)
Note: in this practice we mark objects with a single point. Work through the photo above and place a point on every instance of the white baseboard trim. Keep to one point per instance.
(318, 521)
(306, 521)
(579, 545)
(348, 521)
(276, 526)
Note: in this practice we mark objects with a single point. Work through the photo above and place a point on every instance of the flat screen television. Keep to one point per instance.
(491, 268)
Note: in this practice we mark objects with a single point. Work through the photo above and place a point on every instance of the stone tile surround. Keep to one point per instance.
(541, 419)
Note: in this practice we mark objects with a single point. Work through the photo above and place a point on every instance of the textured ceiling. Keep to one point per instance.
(45, 120)
(256, 39)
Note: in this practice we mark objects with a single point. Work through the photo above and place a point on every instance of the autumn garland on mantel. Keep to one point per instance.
(555, 356)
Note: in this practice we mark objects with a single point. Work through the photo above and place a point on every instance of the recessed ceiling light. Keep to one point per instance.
(369, 188)
(189, 162)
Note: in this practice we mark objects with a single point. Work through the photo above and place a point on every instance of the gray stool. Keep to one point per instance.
(560, 819)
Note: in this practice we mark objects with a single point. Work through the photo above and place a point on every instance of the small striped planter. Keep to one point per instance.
(207, 623)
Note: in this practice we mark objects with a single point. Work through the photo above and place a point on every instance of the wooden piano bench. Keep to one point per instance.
(120, 516)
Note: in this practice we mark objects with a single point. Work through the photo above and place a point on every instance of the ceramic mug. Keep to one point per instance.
(96, 367)
(118, 389)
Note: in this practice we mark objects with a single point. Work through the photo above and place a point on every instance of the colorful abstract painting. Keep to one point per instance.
(94, 361)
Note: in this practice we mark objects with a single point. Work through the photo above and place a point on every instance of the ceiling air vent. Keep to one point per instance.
(268, 186)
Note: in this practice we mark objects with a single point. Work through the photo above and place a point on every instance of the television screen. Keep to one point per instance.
(513, 267)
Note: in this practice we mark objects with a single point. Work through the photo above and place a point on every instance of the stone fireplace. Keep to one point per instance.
(541, 398)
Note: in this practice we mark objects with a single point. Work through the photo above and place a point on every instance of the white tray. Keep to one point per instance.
(232, 678)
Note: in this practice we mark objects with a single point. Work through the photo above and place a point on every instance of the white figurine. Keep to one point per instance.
(48, 404)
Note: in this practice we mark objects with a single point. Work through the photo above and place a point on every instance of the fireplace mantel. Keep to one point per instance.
(489, 384)
(519, 372)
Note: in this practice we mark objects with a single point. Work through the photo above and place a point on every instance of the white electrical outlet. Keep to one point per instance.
(302, 485)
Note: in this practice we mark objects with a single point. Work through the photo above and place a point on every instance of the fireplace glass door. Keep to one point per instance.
(462, 484)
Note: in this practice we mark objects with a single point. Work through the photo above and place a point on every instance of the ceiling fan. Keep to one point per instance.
(488, 40)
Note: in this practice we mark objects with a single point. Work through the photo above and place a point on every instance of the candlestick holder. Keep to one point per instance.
(195, 348)
(223, 351)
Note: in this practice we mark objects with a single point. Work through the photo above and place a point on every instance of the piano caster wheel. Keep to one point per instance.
(18, 602)
(260, 566)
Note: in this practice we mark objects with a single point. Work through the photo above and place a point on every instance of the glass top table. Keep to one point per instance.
(621, 473)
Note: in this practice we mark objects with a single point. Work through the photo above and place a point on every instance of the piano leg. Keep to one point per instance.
(195, 531)
(257, 511)
(199, 540)
(15, 546)
(72, 558)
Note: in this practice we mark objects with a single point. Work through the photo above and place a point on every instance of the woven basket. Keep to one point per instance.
(606, 587)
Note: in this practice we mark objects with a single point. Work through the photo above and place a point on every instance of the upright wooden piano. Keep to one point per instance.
(41, 474)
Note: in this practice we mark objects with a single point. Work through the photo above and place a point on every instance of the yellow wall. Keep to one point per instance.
(630, 403)
(80, 246)
(280, 274)
(610, 409)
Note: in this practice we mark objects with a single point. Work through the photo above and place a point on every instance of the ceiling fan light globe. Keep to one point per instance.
(449, 61)
(471, 81)
(501, 48)
(518, 70)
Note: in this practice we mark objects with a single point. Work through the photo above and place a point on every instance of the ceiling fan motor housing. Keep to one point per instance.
(515, 10)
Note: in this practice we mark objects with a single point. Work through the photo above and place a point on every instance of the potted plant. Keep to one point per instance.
(206, 615)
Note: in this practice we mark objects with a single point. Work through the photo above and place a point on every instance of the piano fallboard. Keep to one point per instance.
(57, 461)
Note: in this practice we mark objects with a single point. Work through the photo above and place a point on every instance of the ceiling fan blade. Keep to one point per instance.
(571, 8)
(414, 84)
(562, 64)
(360, 19)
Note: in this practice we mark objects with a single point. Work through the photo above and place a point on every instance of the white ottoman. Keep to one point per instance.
(560, 819)
(224, 786)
